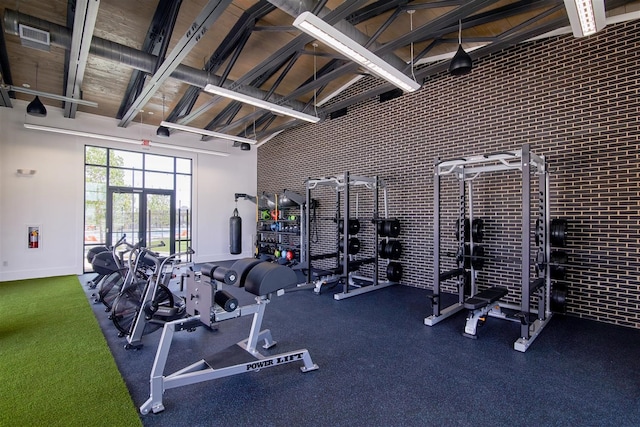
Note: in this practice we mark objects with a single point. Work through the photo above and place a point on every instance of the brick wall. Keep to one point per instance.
(575, 101)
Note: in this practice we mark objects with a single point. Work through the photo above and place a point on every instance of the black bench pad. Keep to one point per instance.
(485, 298)
(265, 278)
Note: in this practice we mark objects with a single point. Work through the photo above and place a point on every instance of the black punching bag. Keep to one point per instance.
(235, 233)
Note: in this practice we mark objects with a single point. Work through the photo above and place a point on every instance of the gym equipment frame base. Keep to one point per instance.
(522, 344)
(444, 314)
(359, 289)
(496, 309)
(202, 371)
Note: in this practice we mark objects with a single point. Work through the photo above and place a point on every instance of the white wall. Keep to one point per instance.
(53, 198)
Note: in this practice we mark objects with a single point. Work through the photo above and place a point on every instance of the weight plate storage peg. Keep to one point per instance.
(475, 230)
(394, 272)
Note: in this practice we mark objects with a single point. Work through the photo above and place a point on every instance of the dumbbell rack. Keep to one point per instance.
(342, 185)
(466, 170)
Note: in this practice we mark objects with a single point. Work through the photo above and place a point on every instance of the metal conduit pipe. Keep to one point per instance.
(61, 36)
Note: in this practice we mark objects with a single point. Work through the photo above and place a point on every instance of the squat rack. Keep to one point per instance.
(342, 185)
(466, 170)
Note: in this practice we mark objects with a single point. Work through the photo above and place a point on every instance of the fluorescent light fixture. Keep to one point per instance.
(207, 132)
(51, 96)
(120, 139)
(312, 25)
(586, 16)
(278, 109)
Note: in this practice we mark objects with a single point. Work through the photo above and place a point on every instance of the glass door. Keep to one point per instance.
(160, 223)
(143, 215)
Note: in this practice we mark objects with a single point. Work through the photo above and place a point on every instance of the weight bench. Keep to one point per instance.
(479, 306)
(261, 279)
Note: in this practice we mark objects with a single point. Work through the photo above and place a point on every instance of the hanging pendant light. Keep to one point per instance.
(163, 131)
(461, 61)
(36, 107)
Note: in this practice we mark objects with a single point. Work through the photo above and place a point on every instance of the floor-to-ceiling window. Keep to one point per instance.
(144, 196)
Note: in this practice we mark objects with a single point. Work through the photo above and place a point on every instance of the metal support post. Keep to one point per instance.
(526, 241)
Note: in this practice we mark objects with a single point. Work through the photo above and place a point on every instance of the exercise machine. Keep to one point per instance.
(348, 240)
(533, 311)
(138, 312)
(206, 306)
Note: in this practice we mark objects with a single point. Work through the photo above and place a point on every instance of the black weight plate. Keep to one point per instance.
(477, 230)
(393, 249)
(381, 249)
(559, 232)
(392, 227)
(381, 230)
(394, 272)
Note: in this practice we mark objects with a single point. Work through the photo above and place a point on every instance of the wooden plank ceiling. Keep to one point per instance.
(252, 45)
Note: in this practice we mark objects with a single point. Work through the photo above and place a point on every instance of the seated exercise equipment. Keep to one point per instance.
(532, 311)
(112, 268)
(479, 306)
(206, 306)
(91, 254)
(144, 305)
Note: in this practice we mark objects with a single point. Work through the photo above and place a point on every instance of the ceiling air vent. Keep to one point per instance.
(35, 38)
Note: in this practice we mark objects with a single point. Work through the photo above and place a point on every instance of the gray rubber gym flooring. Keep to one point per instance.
(380, 366)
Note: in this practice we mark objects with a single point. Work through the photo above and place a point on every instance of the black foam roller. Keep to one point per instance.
(226, 275)
(208, 269)
(225, 300)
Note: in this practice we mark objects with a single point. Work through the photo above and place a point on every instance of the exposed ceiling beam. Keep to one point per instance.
(443, 20)
(442, 66)
(5, 69)
(293, 48)
(5, 99)
(373, 10)
(156, 43)
(197, 29)
(183, 109)
(86, 12)
(267, 68)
